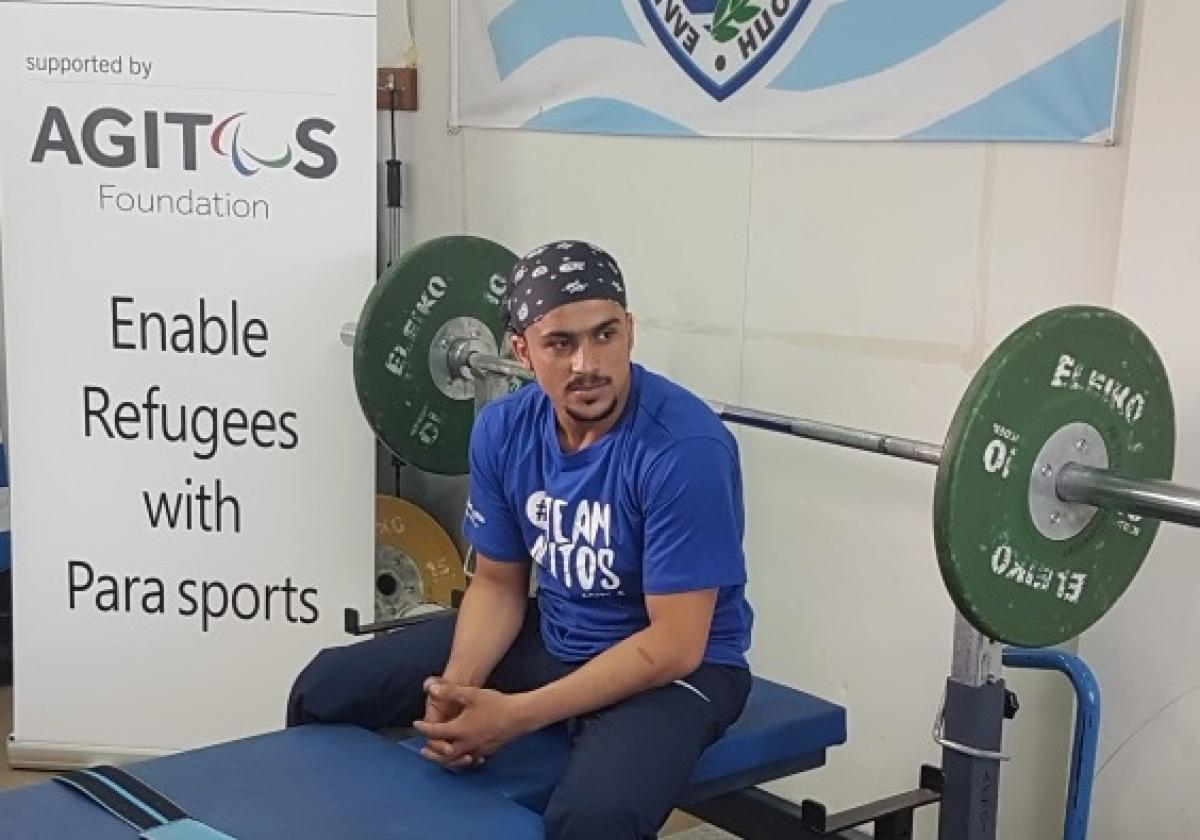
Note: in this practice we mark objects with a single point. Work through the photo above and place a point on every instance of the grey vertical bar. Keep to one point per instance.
(971, 796)
(973, 716)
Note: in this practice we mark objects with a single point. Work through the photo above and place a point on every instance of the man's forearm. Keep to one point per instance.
(489, 619)
(647, 659)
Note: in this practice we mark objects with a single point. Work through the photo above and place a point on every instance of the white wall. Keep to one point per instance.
(1144, 652)
(859, 283)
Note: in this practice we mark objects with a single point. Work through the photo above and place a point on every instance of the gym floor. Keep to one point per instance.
(680, 825)
(10, 778)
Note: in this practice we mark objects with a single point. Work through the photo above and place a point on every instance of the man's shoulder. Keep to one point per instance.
(670, 414)
(501, 415)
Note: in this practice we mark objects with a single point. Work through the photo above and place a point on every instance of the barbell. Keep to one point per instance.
(1051, 482)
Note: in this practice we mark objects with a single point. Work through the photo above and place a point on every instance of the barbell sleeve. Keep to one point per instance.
(1163, 500)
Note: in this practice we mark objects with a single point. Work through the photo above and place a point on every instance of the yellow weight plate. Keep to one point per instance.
(416, 562)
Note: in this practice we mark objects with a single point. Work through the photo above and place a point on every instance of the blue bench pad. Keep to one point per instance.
(311, 783)
(781, 731)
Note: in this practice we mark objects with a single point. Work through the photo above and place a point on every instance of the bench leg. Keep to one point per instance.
(755, 814)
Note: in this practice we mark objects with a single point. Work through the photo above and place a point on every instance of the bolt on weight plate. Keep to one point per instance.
(1086, 368)
(414, 308)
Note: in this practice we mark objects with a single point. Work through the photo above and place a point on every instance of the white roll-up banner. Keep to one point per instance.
(188, 220)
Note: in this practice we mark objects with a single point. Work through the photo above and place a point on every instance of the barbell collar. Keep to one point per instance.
(493, 366)
(1162, 500)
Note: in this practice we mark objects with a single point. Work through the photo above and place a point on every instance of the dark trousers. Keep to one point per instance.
(629, 762)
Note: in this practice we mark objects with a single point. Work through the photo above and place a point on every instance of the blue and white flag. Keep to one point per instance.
(824, 69)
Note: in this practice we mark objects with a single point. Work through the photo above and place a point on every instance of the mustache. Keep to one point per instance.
(581, 382)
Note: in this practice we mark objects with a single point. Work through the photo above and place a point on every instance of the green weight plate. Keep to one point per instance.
(452, 285)
(1068, 369)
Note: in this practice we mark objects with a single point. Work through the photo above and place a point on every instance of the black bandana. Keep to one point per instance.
(559, 273)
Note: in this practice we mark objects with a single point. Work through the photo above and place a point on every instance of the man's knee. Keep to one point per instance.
(310, 687)
(371, 683)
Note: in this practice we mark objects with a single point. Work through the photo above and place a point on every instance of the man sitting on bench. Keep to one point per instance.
(625, 490)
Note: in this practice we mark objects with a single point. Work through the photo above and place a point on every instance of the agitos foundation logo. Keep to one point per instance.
(116, 139)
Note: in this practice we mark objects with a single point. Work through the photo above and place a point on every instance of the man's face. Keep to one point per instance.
(580, 355)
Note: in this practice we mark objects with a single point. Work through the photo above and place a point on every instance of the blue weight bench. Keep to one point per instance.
(326, 782)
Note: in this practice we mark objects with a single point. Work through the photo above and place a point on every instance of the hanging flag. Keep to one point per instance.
(821, 69)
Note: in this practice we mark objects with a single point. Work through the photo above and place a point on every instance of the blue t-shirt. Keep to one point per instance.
(653, 507)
